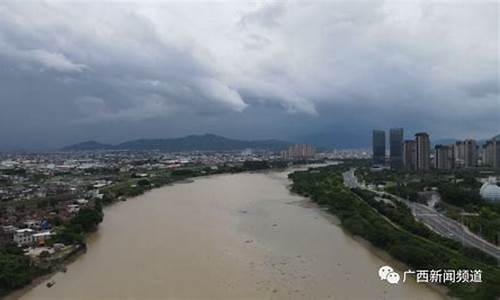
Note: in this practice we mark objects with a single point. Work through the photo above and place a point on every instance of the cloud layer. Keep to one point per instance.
(69, 68)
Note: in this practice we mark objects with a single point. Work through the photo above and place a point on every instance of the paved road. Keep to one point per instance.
(438, 222)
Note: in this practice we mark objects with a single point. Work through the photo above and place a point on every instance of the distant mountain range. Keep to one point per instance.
(212, 142)
(205, 142)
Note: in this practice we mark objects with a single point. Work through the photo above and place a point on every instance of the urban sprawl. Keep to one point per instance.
(40, 191)
(49, 201)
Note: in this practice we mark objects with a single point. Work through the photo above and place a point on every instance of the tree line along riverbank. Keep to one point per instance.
(458, 190)
(392, 228)
(18, 270)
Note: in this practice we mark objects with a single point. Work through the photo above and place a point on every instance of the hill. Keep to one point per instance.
(205, 142)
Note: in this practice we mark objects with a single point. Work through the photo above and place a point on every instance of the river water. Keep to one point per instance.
(240, 236)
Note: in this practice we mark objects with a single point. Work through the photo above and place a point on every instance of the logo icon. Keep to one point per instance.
(387, 273)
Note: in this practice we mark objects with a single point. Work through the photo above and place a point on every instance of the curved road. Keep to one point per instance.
(440, 223)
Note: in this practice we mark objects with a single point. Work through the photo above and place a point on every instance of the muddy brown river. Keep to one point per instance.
(241, 236)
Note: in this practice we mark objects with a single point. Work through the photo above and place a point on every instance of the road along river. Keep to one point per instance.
(240, 236)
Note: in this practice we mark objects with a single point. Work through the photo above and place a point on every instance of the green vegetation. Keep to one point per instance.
(393, 229)
(15, 269)
(256, 165)
(459, 191)
(86, 220)
(398, 213)
(486, 223)
(134, 185)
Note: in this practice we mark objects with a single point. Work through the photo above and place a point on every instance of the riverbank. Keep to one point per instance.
(393, 229)
(383, 254)
(86, 221)
(223, 237)
(61, 265)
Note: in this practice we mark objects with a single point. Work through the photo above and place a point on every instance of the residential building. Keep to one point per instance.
(423, 149)
(491, 153)
(409, 154)
(487, 158)
(23, 236)
(470, 153)
(41, 237)
(459, 154)
(298, 152)
(487, 155)
(444, 158)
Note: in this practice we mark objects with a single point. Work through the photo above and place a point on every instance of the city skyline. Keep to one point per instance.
(421, 154)
(316, 140)
(160, 70)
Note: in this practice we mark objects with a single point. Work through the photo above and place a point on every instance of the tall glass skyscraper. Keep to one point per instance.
(378, 144)
(396, 147)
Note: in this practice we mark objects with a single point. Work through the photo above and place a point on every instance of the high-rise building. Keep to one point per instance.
(378, 144)
(460, 154)
(466, 153)
(396, 147)
(297, 152)
(491, 152)
(496, 152)
(423, 149)
(444, 158)
(470, 153)
(488, 153)
(409, 155)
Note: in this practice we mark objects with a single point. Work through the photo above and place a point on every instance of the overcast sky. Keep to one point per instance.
(74, 71)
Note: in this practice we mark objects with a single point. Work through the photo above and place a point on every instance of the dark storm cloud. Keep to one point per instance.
(77, 70)
(484, 88)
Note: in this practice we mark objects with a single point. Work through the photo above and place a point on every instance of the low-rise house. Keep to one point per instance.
(82, 201)
(23, 236)
(32, 224)
(101, 183)
(73, 208)
(9, 228)
(41, 237)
